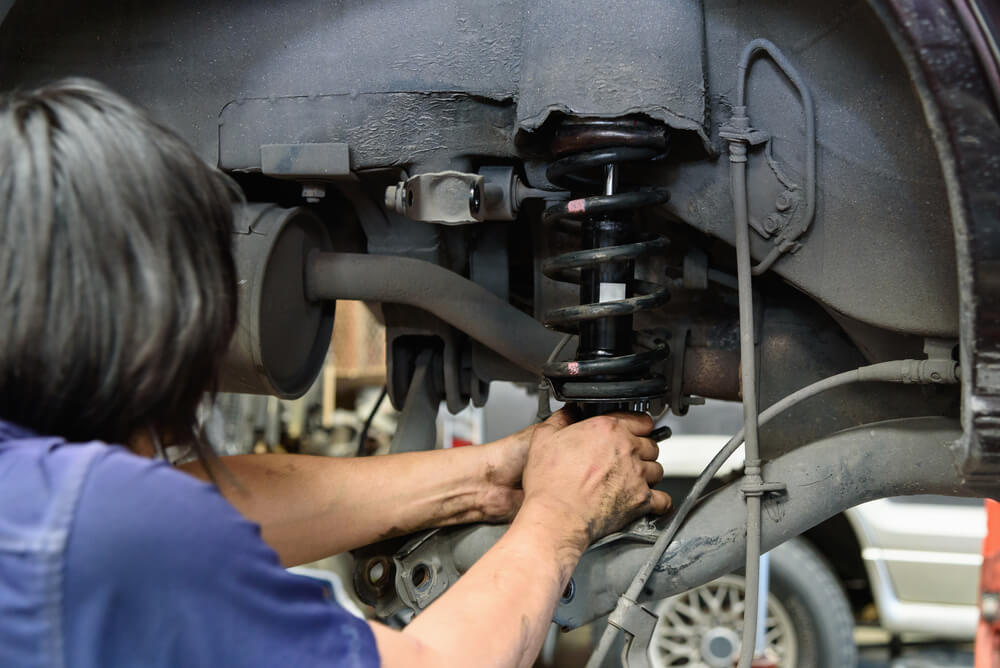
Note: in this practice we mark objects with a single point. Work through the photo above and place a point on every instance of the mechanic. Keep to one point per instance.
(117, 301)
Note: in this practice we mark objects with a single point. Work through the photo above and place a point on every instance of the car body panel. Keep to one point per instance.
(923, 557)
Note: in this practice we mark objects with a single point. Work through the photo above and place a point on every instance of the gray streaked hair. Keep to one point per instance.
(117, 282)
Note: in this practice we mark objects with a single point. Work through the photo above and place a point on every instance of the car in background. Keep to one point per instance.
(922, 555)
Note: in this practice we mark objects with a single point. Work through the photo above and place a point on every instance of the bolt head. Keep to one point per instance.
(989, 606)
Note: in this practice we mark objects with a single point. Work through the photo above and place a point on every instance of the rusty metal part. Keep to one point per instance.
(713, 373)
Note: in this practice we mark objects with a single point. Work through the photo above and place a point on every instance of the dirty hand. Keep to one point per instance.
(596, 474)
(505, 460)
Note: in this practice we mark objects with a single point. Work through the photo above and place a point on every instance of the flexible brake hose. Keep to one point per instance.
(899, 371)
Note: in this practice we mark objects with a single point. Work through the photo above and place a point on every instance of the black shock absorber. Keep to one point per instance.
(608, 374)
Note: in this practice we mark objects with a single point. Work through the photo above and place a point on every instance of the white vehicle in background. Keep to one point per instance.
(922, 555)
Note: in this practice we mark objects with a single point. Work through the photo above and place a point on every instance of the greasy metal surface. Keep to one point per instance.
(957, 101)
(798, 343)
(577, 136)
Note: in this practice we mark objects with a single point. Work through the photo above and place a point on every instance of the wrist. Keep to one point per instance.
(566, 527)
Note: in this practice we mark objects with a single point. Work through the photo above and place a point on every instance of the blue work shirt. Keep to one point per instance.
(108, 559)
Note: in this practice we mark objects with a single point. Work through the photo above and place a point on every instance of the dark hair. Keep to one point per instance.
(117, 281)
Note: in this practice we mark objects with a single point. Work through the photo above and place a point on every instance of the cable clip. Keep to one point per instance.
(754, 485)
(739, 131)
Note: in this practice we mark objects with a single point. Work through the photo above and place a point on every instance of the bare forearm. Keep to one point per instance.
(581, 482)
(513, 590)
(312, 507)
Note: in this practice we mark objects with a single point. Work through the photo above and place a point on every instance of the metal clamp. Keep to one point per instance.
(450, 197)
(458, 198)
(754, 485)
(637, 623)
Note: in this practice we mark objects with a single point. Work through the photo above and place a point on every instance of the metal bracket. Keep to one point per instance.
(679, 402)
(760, 489)
(306, 162)
(637, 623)
(738, 130)
(450, 197)
(458, 198)
(312, 164)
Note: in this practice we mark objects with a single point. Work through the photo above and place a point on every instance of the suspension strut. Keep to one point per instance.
(608, 374)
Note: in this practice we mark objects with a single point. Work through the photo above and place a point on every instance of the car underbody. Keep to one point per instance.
(552, 192)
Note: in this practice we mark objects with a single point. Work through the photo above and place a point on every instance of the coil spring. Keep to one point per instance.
(607, 371)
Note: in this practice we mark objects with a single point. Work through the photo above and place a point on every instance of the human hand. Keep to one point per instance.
(504, 465)
(596, 475)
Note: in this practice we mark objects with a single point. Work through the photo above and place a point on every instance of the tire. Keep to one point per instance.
(810, 620)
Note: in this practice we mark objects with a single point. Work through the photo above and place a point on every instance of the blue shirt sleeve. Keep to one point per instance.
(162, 571)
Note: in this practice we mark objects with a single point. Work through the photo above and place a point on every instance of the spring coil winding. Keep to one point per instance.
(607, 370)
